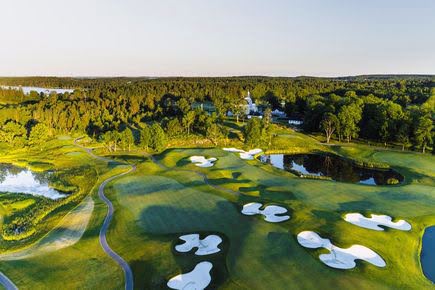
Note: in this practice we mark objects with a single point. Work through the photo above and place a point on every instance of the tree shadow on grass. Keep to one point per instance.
(222, 218)
(268, 194)
(112, 164)
(183, 162)
(278, 245)
(402, 196)
(145, 275)
(327, 216)
(356, 205)
(128, 158)
(224, 180)
(236, 175)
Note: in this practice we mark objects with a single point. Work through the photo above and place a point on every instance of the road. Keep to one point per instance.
(128, 274)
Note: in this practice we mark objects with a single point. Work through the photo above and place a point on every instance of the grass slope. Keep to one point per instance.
(83, 264)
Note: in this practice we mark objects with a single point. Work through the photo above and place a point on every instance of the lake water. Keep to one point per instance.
(39, 90)
(20, 180)
(428, 253)
(332, 166)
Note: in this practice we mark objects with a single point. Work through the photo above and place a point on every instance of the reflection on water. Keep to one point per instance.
(19, 180)
(332, 166)
(428, 253)
(47, 91)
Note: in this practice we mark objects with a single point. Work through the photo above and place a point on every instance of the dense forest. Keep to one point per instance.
(148, 112)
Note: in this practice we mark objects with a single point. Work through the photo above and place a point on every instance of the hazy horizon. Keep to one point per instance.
(217, 38)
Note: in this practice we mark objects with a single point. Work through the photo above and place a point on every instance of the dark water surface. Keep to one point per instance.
(335, 167)
(428, 253)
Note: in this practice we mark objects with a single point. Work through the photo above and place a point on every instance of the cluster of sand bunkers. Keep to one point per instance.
(338, 258)
(199, 277)
(271, 213)
(375, 221)
(201, 161)
(246, 155)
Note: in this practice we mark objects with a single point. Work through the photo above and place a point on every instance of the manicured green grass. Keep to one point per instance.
(269, 256)
(155, 205)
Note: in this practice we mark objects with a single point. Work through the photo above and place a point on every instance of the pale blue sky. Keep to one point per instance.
(216, 38)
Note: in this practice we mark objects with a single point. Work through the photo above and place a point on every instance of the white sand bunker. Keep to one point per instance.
(339, 258)
(68, 232)
(197, 279)
(270, 212)
(206, 246)
(376, 220)
(201, 161)
(247, 155)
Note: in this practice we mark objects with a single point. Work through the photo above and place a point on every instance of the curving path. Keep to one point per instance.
(5, 282)
(128, 274)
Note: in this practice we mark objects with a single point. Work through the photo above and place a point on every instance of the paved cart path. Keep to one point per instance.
(128, 274)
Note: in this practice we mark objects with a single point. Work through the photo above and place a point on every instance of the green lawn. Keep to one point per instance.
(155, 205)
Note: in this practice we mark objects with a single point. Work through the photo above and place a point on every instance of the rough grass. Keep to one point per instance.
(68, 232)
(78, 266)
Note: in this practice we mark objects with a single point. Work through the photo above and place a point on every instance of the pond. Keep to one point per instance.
(335, 167)
(47, 91)
(428, 253)
(15, 179)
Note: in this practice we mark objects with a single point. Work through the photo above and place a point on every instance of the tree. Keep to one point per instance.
(183, 106)
(127, 138)
(107, 139)
(423, 132)
(214, 133)
(188, 120)
(39, 134)
(329, 124)
(252, 132)
(158, 137)
(111, 139)
(267, 116)
(267, 133)
(13, 133)
(174, 128)
(239, 110)
(348, 118)
(403, 131)
(145, 137)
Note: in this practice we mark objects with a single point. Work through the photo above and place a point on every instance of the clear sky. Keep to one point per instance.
(216, 37)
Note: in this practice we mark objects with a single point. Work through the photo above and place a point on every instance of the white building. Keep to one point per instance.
(251, 107)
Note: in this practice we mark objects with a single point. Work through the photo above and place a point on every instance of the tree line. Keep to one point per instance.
(121, 112)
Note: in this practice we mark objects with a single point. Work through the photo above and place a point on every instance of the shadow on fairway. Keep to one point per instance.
(223, 218)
